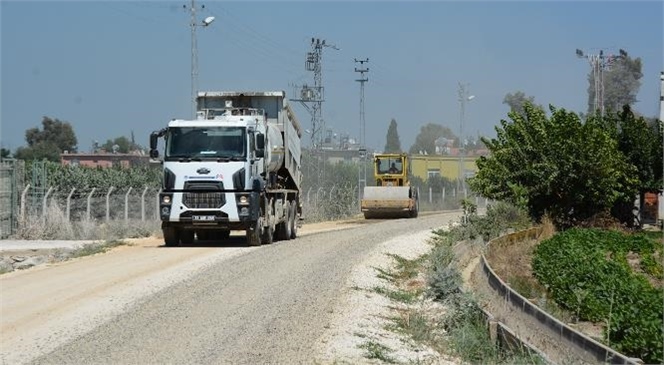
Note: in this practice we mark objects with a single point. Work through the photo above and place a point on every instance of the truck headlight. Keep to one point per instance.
(166, 199)
(244, 200)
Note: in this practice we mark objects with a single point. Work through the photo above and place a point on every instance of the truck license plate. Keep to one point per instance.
(203, 218)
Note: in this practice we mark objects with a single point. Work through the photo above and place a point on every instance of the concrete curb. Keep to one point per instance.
(568, 335)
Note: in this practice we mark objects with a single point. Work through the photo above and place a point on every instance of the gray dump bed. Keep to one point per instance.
(279, 113)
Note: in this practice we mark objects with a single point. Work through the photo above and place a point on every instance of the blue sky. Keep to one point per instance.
(110, 68)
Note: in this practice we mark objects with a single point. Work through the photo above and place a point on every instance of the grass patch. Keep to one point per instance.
(398, 295)
(375, 350)
(95, 248)
(414, 324)
(407, 269)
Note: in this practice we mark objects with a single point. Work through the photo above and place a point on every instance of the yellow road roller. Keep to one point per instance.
(392, 197)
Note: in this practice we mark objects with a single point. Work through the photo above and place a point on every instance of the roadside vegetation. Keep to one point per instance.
(433, 308)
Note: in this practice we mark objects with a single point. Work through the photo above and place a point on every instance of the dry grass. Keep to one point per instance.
(55, 226)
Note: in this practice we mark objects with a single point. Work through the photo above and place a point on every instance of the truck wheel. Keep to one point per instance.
(187, 237)
(284, 228)
(254, 233)
(268, 235)
(292, 219)
(416, 209)
(171, 236)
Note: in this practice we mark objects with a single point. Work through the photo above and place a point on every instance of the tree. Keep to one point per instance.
(426, 139)
(55, 137)
(559, 165)
(517, 100)
(622, 81)
(393, 144)
(640, 141)
(5, 153)
(124, 145)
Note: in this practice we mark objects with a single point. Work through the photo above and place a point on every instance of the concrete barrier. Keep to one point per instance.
(568, 335)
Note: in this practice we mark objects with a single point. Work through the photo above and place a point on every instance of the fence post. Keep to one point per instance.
(89, 199)
(23, 194)
(454, 193)
(430, 195)
(308, 193)
(44, 204)
(127, 203)
(465, 193)
(143, 203)
(486, 202)
(477, 201)
(108, 203)
(69, 202)
(443, 194)
(331, 190)
(317, 193)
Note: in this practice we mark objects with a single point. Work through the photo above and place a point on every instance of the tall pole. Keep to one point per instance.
(463, 96)
(312, 99)
(599, 63)
(194, 58)
(362, 181)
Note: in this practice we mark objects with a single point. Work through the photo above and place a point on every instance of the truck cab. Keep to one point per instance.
(226, 170)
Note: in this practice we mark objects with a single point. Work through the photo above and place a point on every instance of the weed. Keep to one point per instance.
(375, 350)
(401, 296)
(407, 269)
(95, 248)
(415, 324)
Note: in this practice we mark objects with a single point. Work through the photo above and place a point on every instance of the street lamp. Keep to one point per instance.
(463, 98)
(194, 53)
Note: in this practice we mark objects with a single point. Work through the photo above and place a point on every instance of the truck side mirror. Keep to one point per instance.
(260, 145)
(154, 154)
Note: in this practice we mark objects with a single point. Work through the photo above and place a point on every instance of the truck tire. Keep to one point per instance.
(171, 236)
(416, 208)
(268, 235)
(293, 219)
(254, 233)
(284, 228)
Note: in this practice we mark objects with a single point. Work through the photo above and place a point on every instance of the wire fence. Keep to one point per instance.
(125, 212)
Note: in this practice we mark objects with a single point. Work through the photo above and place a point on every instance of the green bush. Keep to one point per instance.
(594, 262)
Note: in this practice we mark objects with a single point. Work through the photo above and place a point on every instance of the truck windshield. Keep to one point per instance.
(206, 142)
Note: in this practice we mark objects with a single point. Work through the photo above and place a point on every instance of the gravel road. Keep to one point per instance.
(222, 305)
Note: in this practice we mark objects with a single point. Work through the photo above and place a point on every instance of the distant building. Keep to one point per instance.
(426, 166)
(105, 159)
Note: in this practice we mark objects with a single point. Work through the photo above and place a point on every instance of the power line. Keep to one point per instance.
(312, 99)
(599, 63)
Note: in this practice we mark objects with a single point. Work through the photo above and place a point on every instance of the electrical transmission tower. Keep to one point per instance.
(194, 50)
(312, 97)
(362, 179)
(599, 63)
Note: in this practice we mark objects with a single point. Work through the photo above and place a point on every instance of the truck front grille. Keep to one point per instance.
(206, 198)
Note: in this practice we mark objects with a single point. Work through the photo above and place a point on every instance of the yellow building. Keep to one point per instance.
(424, 166)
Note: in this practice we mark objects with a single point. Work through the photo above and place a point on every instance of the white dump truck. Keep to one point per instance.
(237, 166)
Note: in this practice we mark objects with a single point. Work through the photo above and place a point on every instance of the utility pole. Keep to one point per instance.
(362, 172)
(312, 98)
(464, 96)
(599, 63)
(194, 50)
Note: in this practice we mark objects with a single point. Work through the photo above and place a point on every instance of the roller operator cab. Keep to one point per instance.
(235, 167)
(392, 197)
